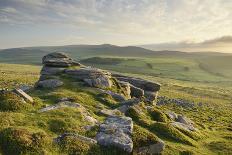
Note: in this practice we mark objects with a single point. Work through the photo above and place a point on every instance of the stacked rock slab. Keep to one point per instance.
(55, 63)
(61, 63)
(140, 87)
(92, 76)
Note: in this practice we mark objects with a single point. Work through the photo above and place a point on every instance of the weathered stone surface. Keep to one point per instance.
(92, 76)
(184, 120)
(162, 100)
(136, 92)
(59, 60)
(140, 83)
(50, 83)
(24, 95)
(116, 96)
(172, 115)
(127, 104)
(188, 127)
(46, 70)
(116, 131)
(108, 112)
(152, 149)
(150, 96)
(126, 87)
(76, 136)
(60, 105)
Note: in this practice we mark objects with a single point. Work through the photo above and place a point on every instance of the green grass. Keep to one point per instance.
(213, 91)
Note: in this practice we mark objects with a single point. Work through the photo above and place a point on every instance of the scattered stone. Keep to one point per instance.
(188, 127)
(184, 120)
(172, 115)
(22, 94)
(108, 112)
(163, 100)
(50, 83)
(116, 131)
(74, 135)
(60, 105)
(152, 149)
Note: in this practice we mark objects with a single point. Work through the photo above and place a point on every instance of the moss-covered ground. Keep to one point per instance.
(23, 130)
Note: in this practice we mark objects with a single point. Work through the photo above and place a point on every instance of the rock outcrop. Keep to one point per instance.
(92, 76)
(140, 87)
(116, 131)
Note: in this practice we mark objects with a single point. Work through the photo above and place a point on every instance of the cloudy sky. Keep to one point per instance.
(120, 22)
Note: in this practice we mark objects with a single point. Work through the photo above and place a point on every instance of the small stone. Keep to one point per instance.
(24, 95)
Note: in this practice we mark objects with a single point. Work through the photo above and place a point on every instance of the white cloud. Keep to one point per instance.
(150, 20)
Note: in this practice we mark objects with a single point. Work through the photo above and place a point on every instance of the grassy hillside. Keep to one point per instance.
(172, 64)
(213, 117)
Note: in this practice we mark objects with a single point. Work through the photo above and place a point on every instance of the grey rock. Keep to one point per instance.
(59, 60)
(60, 105)
(152, 149)
(116, 96)
(136, 92)
(140, 83)
(92, 76)
(127, 104)
(108, 112)
(46, 70)
(163, 100)
(151, 96)
(188, 127)
(50, 83)
(184, 120)
(116, 131)
(172, 115)
(126, 87)
(24, 95)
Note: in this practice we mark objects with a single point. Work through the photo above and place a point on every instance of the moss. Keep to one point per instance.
(9, 101)
(169, 132)
(138, 116)
(158, 115)
(23, 141)
(92, 132)
(220, 147)
(194, 135)
(73, 146)
(142, 137)
(58, 126)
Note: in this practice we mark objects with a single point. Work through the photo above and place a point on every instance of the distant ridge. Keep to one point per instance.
(32, 55)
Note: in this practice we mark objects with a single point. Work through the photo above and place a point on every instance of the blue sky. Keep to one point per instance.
(120, 22)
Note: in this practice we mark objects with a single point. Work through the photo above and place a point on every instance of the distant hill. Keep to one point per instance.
(32, 55)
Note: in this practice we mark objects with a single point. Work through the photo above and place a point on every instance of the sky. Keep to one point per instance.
(120, 22)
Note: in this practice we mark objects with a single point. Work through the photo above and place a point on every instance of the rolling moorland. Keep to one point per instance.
(204, 79)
